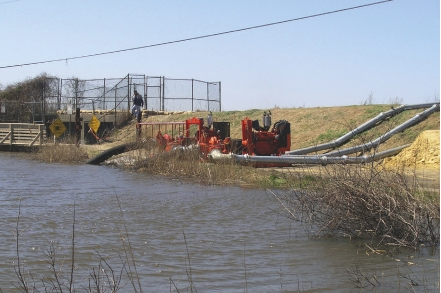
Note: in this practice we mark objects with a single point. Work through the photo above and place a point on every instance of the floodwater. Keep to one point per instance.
(219, 239)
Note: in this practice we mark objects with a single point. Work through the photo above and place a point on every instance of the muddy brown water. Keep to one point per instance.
(225, 239)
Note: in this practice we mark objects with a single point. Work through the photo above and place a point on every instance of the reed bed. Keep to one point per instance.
(61, 153)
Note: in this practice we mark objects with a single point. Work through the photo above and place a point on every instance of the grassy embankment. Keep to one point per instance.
(309, 126)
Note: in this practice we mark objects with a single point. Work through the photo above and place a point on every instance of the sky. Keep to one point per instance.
(381, 54)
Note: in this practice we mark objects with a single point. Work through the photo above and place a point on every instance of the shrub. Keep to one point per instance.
(360, 202)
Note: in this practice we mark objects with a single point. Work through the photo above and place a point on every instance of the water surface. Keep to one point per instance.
(225, 239)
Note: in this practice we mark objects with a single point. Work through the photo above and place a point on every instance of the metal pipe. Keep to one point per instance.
(345, 138)
(419, 106)
(365, 147)
(382, 116)
(216, 156)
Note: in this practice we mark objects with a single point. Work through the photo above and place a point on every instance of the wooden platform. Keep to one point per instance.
(21, 134)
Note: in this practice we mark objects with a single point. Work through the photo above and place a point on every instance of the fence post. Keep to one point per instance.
(43, 99)
(192, 94)
(115, 106)
(41, 129)
(128, 92)
(160, 92)
(78, 126)
(60, 89)
(163, 93)
(104, 95)
(208, 95)
(220, 104)
(11, 137)
(145, 93)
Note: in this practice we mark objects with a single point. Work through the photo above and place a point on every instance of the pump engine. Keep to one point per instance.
(263, 140)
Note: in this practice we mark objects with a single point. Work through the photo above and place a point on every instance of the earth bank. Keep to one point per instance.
(311, 126)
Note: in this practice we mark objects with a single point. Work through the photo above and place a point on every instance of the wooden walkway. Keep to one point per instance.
(21, 134)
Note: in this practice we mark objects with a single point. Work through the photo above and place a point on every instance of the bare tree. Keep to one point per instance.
(75, 88)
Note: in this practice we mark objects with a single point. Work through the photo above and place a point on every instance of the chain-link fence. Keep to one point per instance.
(170, 94)
(37, 100)
(97, 94)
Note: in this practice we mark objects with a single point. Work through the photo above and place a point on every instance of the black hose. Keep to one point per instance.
(113, 151)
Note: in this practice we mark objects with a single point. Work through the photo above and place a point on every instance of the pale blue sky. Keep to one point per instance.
(390, 51)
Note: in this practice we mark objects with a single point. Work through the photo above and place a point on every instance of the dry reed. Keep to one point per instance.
(64, 152)
(389, 209)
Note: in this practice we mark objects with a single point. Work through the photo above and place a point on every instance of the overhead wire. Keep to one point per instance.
(198, 37)
(6, 2)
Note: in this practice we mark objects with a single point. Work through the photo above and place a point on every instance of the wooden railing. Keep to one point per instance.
(21, 134)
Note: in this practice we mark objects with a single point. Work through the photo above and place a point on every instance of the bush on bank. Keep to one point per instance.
(389, 210)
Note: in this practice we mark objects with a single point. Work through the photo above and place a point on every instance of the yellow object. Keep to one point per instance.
(423, 153)
(94, 124)
(57, 128)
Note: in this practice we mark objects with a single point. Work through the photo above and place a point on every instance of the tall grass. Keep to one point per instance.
(188, 165)
(61, 153)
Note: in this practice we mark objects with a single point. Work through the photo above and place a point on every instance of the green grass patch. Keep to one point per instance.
(330, 135)
(276, 181)
(374, 110)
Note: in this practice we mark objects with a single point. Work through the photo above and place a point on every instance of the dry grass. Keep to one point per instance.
(61, 153)
(187, 165)
(388, 209)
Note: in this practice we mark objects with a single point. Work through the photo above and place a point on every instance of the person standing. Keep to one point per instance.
(137, 104)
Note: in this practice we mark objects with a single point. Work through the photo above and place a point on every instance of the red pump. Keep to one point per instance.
(263, 141)
(206, 137)
(256, 140)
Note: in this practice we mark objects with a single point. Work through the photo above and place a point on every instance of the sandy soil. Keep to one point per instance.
(421, 159)
(422, 154)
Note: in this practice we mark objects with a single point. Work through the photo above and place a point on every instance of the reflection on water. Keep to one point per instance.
(228, 237)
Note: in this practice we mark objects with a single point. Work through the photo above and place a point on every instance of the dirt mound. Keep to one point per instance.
(422, 154)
